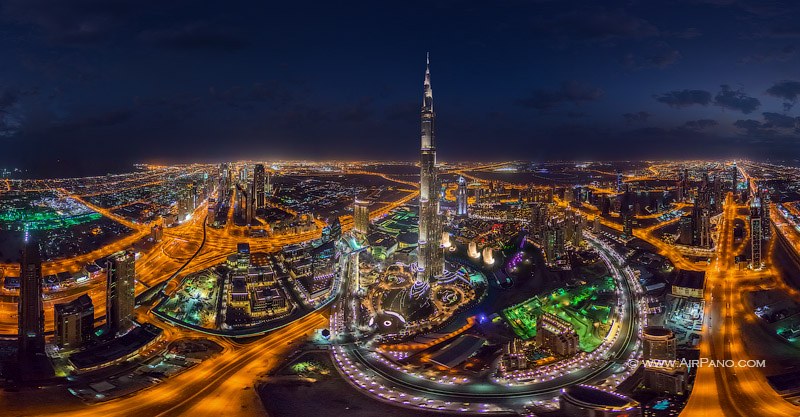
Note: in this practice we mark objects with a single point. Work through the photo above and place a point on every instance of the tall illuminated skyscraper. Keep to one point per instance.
(361, 216)
(259, 181)
(461, 197)
(120, 296)
(30, 312)
(755, 234)
(430, 258)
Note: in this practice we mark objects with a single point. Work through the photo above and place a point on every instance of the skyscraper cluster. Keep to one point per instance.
(552, 231)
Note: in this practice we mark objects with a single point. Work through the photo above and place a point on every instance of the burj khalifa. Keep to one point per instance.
(430, 258)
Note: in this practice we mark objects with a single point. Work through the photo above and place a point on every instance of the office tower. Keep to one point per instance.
(259, 179)
(430, 259)
(461, 197)
(597, 226)
(627, 214)
(701, 214)
(361, 216)
(187, 201)
(74, 322)
(538, 217)
(619, 181)
(576, 226)
(30, 310)
(268, 186)
(766, 231)
(734, 177)
(704, 229)
(120, 296)
(755, 234)
(686, 230)
(243, 174)
(224, 185)
(658, 343)
(251, 204)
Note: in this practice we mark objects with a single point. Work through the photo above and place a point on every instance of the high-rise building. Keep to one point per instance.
(251, 204)
(243, 174)
(30, 312)
(658, 343)
(74, 322)
(556, 335)
(361, 216)
(538, 217)
(120, 295)
(766, 231)
(661, 371)
(259, 182)
(430, 258)
(461, 197)
(755, 234)
(686, 230)
(224, 179)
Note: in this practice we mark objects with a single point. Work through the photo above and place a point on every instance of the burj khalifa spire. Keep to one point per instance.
(430, 259)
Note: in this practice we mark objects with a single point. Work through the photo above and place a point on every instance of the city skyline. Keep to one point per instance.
(240, 210)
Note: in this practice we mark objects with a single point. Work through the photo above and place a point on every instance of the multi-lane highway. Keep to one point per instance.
(738, 390)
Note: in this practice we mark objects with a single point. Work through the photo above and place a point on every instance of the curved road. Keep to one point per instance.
(516, 395)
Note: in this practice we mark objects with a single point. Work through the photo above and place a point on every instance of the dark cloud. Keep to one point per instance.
(787, 90)
(660, 55)
(638, 117)
(688, 33)
(784, 54)
(194, 36)
(569, 92)
(774, 124)
(8, 98)
(780, 121)
(684, 98)
(403, 111)
(700, 124)
(357, 113)
(754, 128)
(73, 22)
(736, 100)
(576, 114)
(785, 29)
(260, 92)
(103, 119)
(599, 26)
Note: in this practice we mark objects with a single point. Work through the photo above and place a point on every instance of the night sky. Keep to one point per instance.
(93, 85)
